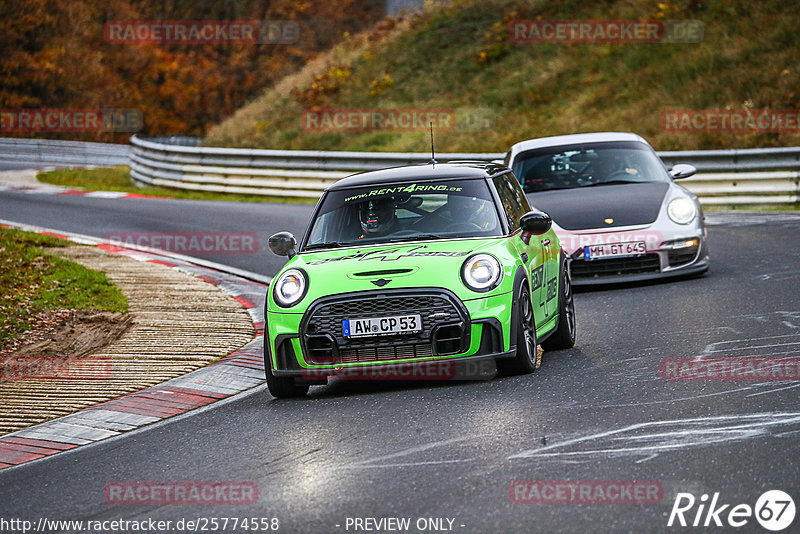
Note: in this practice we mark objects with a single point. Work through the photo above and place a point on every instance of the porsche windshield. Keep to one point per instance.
(567, 167)
(404, 212)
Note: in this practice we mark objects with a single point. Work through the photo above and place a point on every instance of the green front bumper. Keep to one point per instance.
(487, 335)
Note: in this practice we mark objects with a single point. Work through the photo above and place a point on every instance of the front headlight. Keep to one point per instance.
(682, 210)
(290, 288)
(481, 272)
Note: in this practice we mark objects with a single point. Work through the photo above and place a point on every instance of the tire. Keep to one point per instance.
(526, 359)
(564, 336)
(281, 387)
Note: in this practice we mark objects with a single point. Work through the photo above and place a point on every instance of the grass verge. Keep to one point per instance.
(459, 55)
(119, 179)
(34, 281)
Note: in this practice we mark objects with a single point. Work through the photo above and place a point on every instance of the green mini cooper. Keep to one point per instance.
(416, 266)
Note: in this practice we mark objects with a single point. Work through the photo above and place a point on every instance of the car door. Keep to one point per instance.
(529, 246)
(550, 283)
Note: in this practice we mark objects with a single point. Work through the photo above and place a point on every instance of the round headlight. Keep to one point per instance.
(682, 210)
(290, 288)
(481, 272)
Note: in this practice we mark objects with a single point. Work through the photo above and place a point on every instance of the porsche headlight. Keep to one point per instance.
(290, 288)
(481, 272)
(682, 210)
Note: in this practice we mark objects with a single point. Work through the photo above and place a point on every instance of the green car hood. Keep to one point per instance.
(394, 266)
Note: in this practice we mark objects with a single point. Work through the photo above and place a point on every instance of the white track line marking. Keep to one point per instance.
(688, 433)
(371, 462)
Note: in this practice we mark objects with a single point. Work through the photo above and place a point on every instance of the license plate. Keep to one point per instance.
(382, 326)
(614, 250)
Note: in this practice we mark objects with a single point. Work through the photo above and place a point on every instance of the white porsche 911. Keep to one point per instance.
(615, 206)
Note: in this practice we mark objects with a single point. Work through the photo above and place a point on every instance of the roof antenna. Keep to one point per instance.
(433, 157)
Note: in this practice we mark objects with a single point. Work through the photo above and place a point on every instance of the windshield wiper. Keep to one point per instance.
(329, 244)
(418, 237)
(615, 182)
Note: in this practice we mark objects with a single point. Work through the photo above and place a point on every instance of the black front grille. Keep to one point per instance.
(647, 263)
(447, 339)
(378, 306)
(395, 352)
(444, 328)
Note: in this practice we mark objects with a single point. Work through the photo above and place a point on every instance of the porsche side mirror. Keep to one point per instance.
(283, 244)
(536, 222)
(682, 170)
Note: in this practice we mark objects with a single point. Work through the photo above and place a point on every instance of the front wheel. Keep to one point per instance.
(281, 387)
(284, 387)
(564, 336)
(527, 359)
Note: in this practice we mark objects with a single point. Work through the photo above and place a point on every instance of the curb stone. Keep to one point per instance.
(46, 189)
(238, 372)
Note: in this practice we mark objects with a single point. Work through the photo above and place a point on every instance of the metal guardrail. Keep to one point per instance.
(740, 176)
(48, 152)
(282, 173)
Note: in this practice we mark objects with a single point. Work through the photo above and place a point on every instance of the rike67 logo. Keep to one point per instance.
(774, 510)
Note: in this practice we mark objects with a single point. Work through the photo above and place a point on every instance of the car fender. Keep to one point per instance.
(521, 275)
(563, 260)
(267, 340)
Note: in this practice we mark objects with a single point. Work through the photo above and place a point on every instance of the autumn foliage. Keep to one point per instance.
(55, 55)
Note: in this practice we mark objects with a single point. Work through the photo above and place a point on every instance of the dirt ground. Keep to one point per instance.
(176, 324)
(67, 333)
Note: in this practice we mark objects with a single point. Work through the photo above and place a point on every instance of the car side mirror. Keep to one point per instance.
(283, 244)
(682, 170)
(536, 222)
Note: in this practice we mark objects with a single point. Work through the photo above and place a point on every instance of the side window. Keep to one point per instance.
(515, 205)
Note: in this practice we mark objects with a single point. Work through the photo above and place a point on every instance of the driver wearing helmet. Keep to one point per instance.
(611, 165)
(377, 217)
(465, 209)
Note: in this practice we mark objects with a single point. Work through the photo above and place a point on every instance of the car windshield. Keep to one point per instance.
(404, 212)
(593, 164)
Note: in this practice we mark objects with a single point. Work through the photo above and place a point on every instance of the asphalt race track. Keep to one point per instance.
(101, 217)
(598, 412)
